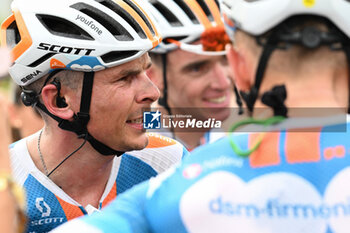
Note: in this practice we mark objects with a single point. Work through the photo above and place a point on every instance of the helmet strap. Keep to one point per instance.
(251, 96)
(163, 101)
(81, 119)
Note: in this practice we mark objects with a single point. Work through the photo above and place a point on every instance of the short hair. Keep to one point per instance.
(68, 78)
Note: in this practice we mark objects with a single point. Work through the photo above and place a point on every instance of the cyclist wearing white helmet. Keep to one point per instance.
(82, 64)
(289, 181)
(189, 65)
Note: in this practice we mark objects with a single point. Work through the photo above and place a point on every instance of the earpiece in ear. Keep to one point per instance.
(60, 101)
(29, 97)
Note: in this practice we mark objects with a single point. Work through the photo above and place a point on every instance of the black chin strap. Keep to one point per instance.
(163, 101)
(81, 119)
(251, 97)
(275, 99)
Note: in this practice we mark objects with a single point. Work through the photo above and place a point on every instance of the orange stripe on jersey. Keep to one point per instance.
(303, 147)
(139, 20)
(157, 141)
(111, 195)
(215, 12)
(267, 153)
(196, 8)
(71, 211)
(26, 40)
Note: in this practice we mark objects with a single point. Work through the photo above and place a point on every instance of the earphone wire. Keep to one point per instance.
(85, 140)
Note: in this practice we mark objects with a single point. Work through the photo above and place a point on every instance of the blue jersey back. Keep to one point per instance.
(294, 182)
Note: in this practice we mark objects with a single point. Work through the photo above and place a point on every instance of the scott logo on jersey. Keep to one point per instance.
(43, 207)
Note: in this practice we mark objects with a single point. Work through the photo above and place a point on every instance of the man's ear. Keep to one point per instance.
(155, 73)
(49, 95)
(239, 67)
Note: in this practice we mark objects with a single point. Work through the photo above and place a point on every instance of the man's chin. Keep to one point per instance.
(137, 144)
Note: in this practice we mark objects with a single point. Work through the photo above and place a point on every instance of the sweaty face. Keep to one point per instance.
(200, 82)
(118, 98)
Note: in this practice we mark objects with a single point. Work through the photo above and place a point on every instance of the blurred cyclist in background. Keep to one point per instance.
(190, 66)
(82, 65)
(287, 54)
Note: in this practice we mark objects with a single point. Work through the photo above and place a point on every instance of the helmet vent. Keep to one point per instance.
(217, 3)
(12, 35)
(205, 9)
(62, 27)
(141, 14)
(187, 11)
(41, 60)
(115, 28)
(125, 15)
(170, 17)
(117, 55)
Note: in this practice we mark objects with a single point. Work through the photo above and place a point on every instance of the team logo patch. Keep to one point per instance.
(43, 207)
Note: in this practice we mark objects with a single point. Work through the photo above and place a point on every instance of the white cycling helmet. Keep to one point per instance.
(258, 16)
(182, 22)
(47, 36)
(270, 22)
(103, 33)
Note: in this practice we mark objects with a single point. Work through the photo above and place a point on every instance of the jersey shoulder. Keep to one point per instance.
(161, 152)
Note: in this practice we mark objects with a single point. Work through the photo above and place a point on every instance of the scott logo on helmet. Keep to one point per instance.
(64, 49)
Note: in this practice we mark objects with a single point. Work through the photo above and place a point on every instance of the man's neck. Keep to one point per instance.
(83, 176)
(310, 91)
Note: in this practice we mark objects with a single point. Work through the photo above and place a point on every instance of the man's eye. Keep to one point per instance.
(126, 78)
(198, 69)
(123, 78)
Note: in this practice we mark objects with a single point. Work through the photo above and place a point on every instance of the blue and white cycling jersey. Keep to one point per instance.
(48, 206)
(295, 182)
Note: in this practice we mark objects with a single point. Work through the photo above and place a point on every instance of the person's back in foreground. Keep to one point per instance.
(290, 182)
(82, 65)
